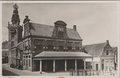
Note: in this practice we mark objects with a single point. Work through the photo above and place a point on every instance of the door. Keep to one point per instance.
(96, 67)
(26, 64)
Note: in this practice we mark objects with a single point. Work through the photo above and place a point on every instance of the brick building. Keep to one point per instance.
(44, 47)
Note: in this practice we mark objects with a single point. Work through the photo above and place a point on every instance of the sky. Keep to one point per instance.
(96, 22)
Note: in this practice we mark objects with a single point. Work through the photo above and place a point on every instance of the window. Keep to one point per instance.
(97, 67)
(102, 66)
(60, 34)
(12, 43)
(60, 29)
(107, 52)
(50, 47)
(26, 57)
(39, 47)
(77, 48)
(12, 36)
(26, 47)
(24, 62)
(50, 42)
(29, 62)
(61, 48)
(69, 48)
(29, 56)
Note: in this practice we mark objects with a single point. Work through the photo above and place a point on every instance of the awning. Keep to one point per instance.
(58, 54)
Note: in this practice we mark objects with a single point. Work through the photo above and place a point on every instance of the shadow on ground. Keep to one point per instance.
(8, 73)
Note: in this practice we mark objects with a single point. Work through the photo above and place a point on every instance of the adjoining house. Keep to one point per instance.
(44, 47)
(115, 50)
(103, 56)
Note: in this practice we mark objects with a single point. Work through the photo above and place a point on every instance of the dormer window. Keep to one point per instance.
(60, 29)
(107, 52)
(60, 34)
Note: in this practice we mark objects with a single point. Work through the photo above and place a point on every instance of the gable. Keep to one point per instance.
(95, 49)
(108, 52)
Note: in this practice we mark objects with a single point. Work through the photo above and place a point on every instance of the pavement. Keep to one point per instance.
(8, 71)
(15, 72)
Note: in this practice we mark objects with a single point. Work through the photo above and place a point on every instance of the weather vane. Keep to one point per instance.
(15, 6)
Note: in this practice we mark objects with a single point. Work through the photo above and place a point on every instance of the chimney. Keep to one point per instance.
(74, 27)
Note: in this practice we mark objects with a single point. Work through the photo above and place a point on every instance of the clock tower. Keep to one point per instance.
(15, 35)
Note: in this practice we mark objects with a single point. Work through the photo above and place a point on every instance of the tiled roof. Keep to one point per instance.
(53, 54)
(47, 31)
(114, 49)
(95, 49)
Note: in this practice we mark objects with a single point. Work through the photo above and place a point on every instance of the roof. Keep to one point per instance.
(47, 54)
(114, 49)
(95, 49)
(47, 31)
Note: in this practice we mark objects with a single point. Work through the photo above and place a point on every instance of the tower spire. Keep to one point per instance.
(15, 16)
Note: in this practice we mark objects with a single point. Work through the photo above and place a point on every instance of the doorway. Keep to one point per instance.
(47, 65)
(60, 65)
(70, 64)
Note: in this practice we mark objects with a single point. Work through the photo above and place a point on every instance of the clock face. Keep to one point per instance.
(60, 29)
